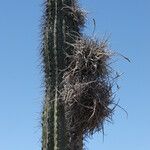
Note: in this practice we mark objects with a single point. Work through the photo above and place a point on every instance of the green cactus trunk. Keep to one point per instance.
(59, 23)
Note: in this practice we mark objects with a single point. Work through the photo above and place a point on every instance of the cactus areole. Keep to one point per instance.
(76, 78)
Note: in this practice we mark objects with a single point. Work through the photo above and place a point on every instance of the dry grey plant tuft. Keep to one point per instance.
(87, 87)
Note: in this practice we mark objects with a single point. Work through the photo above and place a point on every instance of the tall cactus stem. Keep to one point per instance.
(59, 22)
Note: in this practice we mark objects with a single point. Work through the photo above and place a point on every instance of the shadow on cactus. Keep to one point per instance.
(88, 82)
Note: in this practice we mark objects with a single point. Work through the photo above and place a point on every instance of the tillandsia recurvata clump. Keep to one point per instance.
(87, 87)
(78, 78)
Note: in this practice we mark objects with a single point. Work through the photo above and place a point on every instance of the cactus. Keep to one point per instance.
(60, 20)
(78, 81)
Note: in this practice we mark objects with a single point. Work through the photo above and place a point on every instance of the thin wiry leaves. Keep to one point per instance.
(88, 83)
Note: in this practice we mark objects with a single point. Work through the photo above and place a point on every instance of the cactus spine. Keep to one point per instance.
(59, 21)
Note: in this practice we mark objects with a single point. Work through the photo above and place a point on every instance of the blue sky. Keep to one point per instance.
(127, 23)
